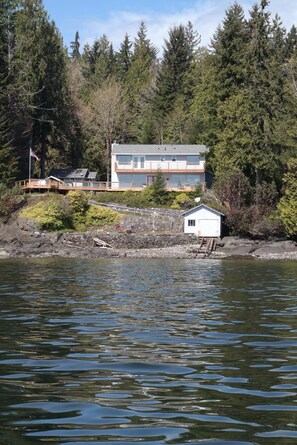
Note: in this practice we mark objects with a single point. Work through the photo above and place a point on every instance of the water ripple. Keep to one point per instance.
(154, 352)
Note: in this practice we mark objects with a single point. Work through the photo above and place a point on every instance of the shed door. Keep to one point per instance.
(209, 227)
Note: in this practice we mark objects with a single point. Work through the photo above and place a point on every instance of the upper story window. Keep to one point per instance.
(193, 159)
(124, 159)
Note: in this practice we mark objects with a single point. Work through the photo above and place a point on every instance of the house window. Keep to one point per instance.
(193, 160)
(191, 223)
(124, 159)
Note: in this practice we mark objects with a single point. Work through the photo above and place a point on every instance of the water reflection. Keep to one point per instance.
(111, 351)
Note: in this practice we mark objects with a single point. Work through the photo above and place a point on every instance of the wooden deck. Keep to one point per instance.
(61, 186)
(92, 186)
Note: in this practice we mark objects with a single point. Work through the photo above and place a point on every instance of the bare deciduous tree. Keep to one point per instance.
(106, 117)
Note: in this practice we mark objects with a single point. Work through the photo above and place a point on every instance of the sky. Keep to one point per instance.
(93, 18)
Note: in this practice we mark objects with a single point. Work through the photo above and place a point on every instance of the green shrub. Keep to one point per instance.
(78, 201)
(129, 198)
(97, 216)
(115, 197)
(287, 206)
(182, 201)
(57, 213)
(78, 205)
(49, 214)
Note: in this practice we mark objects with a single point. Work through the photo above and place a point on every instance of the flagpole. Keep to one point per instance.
(29, 165)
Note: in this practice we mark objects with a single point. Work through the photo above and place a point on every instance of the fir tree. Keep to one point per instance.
(124, 58)
(75, 54)
(40, 82)
(142, 65)
(229, 44)
(177, 58)
(139, 83)
(291, 42)
(8, 158)
(260, 94)
(98, 62)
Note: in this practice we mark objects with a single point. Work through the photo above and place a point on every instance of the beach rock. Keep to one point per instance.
(276, 248)
(4, 253)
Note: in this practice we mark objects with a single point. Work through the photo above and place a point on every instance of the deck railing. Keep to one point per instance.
(165, 166)
(95, 186)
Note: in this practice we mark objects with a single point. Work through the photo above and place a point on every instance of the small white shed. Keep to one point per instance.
(203, 221)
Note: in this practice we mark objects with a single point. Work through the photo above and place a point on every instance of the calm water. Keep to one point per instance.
(149, 352)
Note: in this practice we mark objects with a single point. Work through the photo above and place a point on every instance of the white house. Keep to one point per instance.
(203, 221)
(135, 166)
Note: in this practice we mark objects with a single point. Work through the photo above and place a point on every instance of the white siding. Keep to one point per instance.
(146, 159)
(207, 223)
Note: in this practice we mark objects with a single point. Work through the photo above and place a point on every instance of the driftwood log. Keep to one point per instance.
(100, 243)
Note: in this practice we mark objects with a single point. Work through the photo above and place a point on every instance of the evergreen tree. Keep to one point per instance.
(229, 45)
(75, 54)
(8, 158)
(140, 81)
(285, 132)
(261, 94)
(291, 42)
(98, 62)
(220, 96)
(204, 105)
(159, 192)
(177, 58)
(143, 45)
(142, 65)
(40, 82)
(124, 58)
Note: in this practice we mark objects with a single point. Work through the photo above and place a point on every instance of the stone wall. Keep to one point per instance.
(128, 241)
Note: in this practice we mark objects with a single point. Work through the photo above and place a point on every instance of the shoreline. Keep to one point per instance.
(21, 239)
(266, 251)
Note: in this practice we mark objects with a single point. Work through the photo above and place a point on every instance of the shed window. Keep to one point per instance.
(191, 222)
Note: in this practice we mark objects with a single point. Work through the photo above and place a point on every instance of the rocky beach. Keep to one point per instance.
(20, 238)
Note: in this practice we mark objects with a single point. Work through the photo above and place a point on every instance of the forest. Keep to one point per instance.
(238, 96)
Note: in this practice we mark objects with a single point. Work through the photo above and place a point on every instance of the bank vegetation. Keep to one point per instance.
(238, 97)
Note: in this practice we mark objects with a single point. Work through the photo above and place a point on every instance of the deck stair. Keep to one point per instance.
(206, 246)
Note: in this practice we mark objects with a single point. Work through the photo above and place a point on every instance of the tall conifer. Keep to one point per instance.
(8, 158)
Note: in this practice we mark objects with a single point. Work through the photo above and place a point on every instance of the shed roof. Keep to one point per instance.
(69, 173)
(92, 175)
(158, 149)
(202, 206)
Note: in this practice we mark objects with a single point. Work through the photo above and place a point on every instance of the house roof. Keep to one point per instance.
(202, 206)
(69, 173)
(158, 149)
